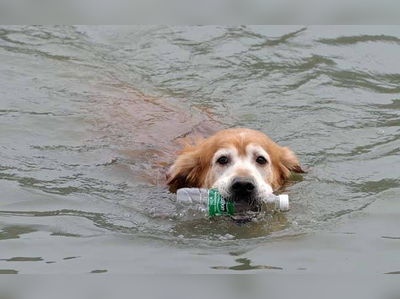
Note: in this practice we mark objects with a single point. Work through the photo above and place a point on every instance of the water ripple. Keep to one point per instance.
(355, 39)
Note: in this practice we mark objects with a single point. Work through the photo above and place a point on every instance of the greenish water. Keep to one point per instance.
(90, 118)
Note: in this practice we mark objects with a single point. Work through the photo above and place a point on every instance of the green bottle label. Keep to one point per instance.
(217, 206)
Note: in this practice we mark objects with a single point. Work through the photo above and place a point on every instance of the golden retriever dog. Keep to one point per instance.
(242, 164)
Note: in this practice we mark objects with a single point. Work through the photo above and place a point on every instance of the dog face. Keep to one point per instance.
(242, 164)
(243, 176)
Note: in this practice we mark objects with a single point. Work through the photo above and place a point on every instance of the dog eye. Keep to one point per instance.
(261, 160)
(223, 160)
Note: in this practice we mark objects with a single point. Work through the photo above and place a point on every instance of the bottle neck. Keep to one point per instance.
(272, 198)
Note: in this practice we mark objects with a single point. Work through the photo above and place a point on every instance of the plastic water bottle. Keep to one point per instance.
(194, 203)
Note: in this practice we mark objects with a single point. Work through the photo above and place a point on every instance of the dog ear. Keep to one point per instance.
(289, 163)
(186, 170)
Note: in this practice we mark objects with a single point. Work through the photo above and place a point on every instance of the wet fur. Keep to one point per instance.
(192, 167)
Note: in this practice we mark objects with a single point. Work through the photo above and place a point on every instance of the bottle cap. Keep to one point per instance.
(284, 202)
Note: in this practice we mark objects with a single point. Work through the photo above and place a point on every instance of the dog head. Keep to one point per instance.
(242, 164)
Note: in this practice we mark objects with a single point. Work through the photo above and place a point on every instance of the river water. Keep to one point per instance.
(91, 117)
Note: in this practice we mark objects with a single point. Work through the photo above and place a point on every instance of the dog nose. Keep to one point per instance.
(243, 186)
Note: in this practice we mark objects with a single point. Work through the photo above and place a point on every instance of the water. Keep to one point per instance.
(91, 117)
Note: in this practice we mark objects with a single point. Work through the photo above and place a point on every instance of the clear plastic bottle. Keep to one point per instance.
(194, 203)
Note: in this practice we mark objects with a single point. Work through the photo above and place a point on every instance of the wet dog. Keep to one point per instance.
(244, 165)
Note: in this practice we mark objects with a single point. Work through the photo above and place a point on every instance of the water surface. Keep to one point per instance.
(91, 117)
